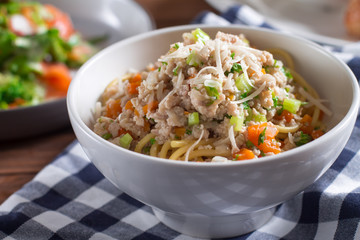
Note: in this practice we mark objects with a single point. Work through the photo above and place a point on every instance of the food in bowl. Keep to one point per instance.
(39, 51)
(211, 100)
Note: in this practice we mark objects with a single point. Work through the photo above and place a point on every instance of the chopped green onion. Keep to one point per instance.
(188, 132)
(287, 73)
(238, 122)
(232, 55)
(275, 101)
(212, 92)
(193, 59)
(106, 136)
(200, 35)
(259, 118)
(291, 104)
(175, 71)
(176, 46)
(304, 138)
(125, 141)
(236, 68)
(193, 119)
(242, 84)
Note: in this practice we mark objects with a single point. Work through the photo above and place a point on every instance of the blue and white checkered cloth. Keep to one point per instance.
(71, 199)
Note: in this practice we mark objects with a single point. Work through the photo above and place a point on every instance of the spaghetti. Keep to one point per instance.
(212, 100)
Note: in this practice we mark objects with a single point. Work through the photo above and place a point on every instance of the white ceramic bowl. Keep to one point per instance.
(214, 199)
(112, 18)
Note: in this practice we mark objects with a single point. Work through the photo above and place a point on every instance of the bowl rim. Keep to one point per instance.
(75, 117)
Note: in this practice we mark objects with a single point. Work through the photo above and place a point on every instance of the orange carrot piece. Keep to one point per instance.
(150, 107)
(317, 133)
(266, 144)
(113, 108)
(132, 87)
(57, 76)
(288, 116)
(129, 105)
(243, 154)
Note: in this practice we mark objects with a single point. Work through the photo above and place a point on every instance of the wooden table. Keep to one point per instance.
(21, 160)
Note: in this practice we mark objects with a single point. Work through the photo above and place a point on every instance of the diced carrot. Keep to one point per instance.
(317, 133)
(179, 131)
(269, 146)
(136, 112)
(132, 87)
(266, 144)
(308, 129)
(243, 154)
(306, 119)
(136, 78)
(263, 71)
(60, 21)
(129, 105)
(113, 108)
(288, 116)
(150, 107)
(186, 113)
(56, 76)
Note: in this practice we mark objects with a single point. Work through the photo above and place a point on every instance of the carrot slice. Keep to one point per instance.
(113, 108)
(262, 136)
(243, 154)
(57, 77)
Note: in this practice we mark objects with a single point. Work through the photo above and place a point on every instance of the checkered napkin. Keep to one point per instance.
(71, 199)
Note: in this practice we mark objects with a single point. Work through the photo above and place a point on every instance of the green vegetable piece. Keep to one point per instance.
(292, 105)
(287, 73)
(304, 138)
(107, 136)
(175, 71)
(152, 141)
(193, 59)
(242, 84)
(238, 122)
(236, 68)
(125, 141)
(259, 118)
(262, 136)
(212, 92)
(193, 119)
(249, 144)
(200, 35)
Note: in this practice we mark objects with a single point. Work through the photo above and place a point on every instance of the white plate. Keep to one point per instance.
(321, 21)
(117, 19)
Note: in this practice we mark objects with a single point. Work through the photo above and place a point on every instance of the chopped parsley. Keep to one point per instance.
(227, 116)
(175, 71)
(106, 136)
(262, 136)
(236, 68)
(188, 132)
(152, 141)
(232, 55)
(303, 138)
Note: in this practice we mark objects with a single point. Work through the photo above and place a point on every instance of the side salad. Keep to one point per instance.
(39, 50)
